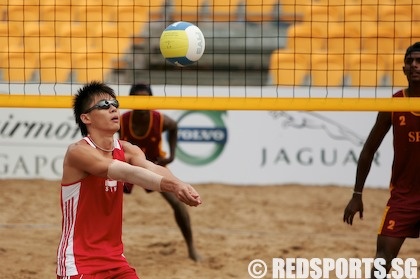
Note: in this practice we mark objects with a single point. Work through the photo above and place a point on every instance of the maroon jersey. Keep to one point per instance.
(91, 243)
(405, 178)
(151, 141)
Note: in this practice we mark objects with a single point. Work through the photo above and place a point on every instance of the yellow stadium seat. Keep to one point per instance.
(365, 69)
(320, 15)
(378, 39)
(110, 42)
(17, 65)
(223, 10)
(21, 2)
(408, 33)
(57, 17)
(187, 10)
(337, 6)
(327, 69)
(74, 39)
(55, 67)
(54, 2)
(90, 11)
(342, 39)
(391, 15)
(288, 68)
(305, 38)
(22, 15)
(93, 16)
(358, 16)
(39, 38)
(261, 11)
(394, 64)
(9, 36)
(155, 9)
(91, 66)
(131, 20)
(406, 2)
(77, 45)
(293, 9)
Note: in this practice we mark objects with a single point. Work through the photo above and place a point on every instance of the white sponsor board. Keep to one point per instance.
(271, 147)
(262, 147)
(235, 147)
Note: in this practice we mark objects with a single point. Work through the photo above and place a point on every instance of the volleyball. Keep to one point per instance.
(182, 43)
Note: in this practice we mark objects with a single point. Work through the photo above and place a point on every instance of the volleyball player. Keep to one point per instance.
(401, 218)
(144, 128)
(92, 189)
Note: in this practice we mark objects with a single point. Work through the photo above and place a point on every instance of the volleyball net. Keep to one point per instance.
(260, 55)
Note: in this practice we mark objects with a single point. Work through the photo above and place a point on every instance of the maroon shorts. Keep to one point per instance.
(400, 222)
(125, 272)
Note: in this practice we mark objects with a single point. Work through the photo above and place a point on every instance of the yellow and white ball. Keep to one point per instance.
(182, 43)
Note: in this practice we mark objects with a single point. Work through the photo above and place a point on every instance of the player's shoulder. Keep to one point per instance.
(78, 146)
(399, 93)
(156, 112)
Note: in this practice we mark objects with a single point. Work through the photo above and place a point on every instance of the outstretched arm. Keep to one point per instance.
(168, 183)
(147, 179)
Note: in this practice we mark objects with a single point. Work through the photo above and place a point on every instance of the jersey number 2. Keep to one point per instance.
(391, 225)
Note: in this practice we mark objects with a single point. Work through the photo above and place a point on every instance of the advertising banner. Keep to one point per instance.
(234, 147)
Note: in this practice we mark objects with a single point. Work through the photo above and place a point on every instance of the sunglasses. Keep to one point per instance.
(104, 104)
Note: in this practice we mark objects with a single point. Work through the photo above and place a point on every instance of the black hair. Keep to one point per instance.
(84, 98)
(414, 47)
(140, 87)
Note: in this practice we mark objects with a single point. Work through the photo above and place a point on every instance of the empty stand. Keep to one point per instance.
(39, 38)
(55, 2)
(293, 10)
(337, 5)
(408, 33)
(288, 68)
(54, 67)
(75, 39)
(57, 17)
(378, 39)
(17, 65)
(187, 10)
(357, 15)
(223, 10)
(92, 29)
(155, 9)
(131, 20)
(10, 36)
(109, 41)
(390, 14)
(342, 39)
(365, 69)
(95, 11)
(261, 11)
(305, 38)
(20, 15)
(91, 66)
(394, 64)
(327, 69)
(319, 16)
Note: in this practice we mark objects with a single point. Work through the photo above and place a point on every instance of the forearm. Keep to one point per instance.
(363, 168)
(147, 179)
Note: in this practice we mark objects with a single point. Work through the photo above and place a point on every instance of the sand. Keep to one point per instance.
(234, 225)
